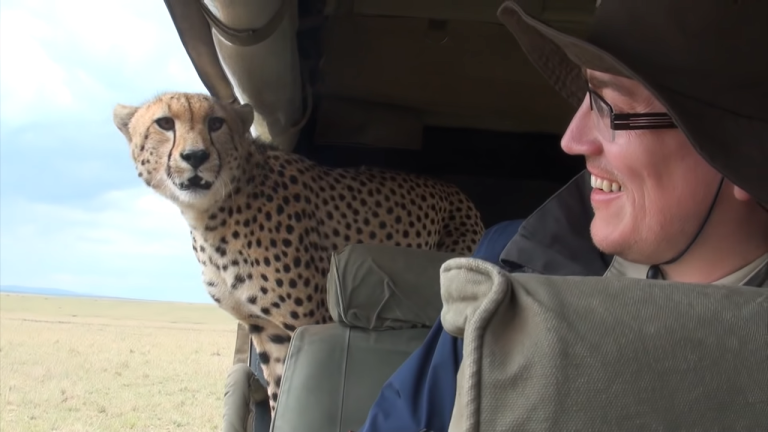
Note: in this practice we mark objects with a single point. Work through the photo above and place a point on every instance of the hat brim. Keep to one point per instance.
(714, 133)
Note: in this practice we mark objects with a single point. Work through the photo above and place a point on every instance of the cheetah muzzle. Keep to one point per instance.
(264, 223)
(195, 183)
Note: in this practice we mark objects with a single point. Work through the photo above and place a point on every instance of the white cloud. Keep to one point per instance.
(28, 78)
(79, 58)
(63, 66)
(130, 243)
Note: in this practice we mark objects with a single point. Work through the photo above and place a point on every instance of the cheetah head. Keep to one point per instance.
(185, 146)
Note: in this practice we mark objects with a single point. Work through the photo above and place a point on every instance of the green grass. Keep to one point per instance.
(77, 364)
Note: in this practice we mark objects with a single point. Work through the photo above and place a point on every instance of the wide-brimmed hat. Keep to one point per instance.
(706, 61)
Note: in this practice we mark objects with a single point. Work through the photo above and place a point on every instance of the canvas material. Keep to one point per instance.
(240, 390)
(594, 353)
(381, 287)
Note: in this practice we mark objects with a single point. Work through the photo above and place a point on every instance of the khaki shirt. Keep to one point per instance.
(623, 268)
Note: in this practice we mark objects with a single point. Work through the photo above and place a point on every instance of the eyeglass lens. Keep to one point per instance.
(601, 117)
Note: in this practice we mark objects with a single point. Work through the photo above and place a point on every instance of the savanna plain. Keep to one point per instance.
(71, 364)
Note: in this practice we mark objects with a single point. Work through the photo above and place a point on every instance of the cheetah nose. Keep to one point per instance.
(195, 158)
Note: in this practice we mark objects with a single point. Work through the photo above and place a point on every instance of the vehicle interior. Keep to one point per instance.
(440, 88)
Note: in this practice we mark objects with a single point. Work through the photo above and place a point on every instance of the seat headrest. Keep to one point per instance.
(381, 287)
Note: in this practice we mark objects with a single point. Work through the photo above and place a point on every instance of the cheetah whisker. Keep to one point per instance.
(228, 189)
(155, 181)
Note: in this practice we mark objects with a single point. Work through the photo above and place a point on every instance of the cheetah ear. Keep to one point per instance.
(245, 115)
(122, 115)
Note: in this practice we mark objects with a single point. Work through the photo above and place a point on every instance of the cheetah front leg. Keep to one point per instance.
(271, 342)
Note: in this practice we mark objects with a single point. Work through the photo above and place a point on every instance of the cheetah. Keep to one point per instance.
(264, 222)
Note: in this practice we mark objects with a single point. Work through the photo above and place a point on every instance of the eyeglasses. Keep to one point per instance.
(608, 122)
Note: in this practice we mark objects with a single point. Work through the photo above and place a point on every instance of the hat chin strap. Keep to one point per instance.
(654, 271)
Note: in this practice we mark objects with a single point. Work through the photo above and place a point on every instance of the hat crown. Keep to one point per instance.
(712, 50)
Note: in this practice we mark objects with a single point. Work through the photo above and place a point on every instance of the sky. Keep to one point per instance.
(73, 213)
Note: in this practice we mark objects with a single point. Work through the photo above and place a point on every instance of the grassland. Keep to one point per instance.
(81, 364)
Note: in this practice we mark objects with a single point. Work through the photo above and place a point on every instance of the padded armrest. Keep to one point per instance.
(604, 354)
(381, 287)
(241, 388)
(333, 375)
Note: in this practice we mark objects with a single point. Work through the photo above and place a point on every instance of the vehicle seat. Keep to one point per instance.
(384, 300)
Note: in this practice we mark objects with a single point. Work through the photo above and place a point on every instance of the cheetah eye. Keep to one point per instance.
(165, 123)
(215, 123)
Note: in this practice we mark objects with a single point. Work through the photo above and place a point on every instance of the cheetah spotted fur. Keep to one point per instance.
(264, 222)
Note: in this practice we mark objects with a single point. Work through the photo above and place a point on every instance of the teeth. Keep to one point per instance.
(606, 185)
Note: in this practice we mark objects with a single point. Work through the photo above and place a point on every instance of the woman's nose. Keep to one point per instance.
(581, 138)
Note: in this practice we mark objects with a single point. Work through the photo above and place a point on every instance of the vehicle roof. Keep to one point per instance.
(372, 65)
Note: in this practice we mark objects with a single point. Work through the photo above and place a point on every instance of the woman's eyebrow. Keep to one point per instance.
(599, 83)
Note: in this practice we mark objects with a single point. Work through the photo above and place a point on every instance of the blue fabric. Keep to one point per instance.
(420, 394)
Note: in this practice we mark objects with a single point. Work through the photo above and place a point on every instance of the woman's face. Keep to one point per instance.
(651, 189)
